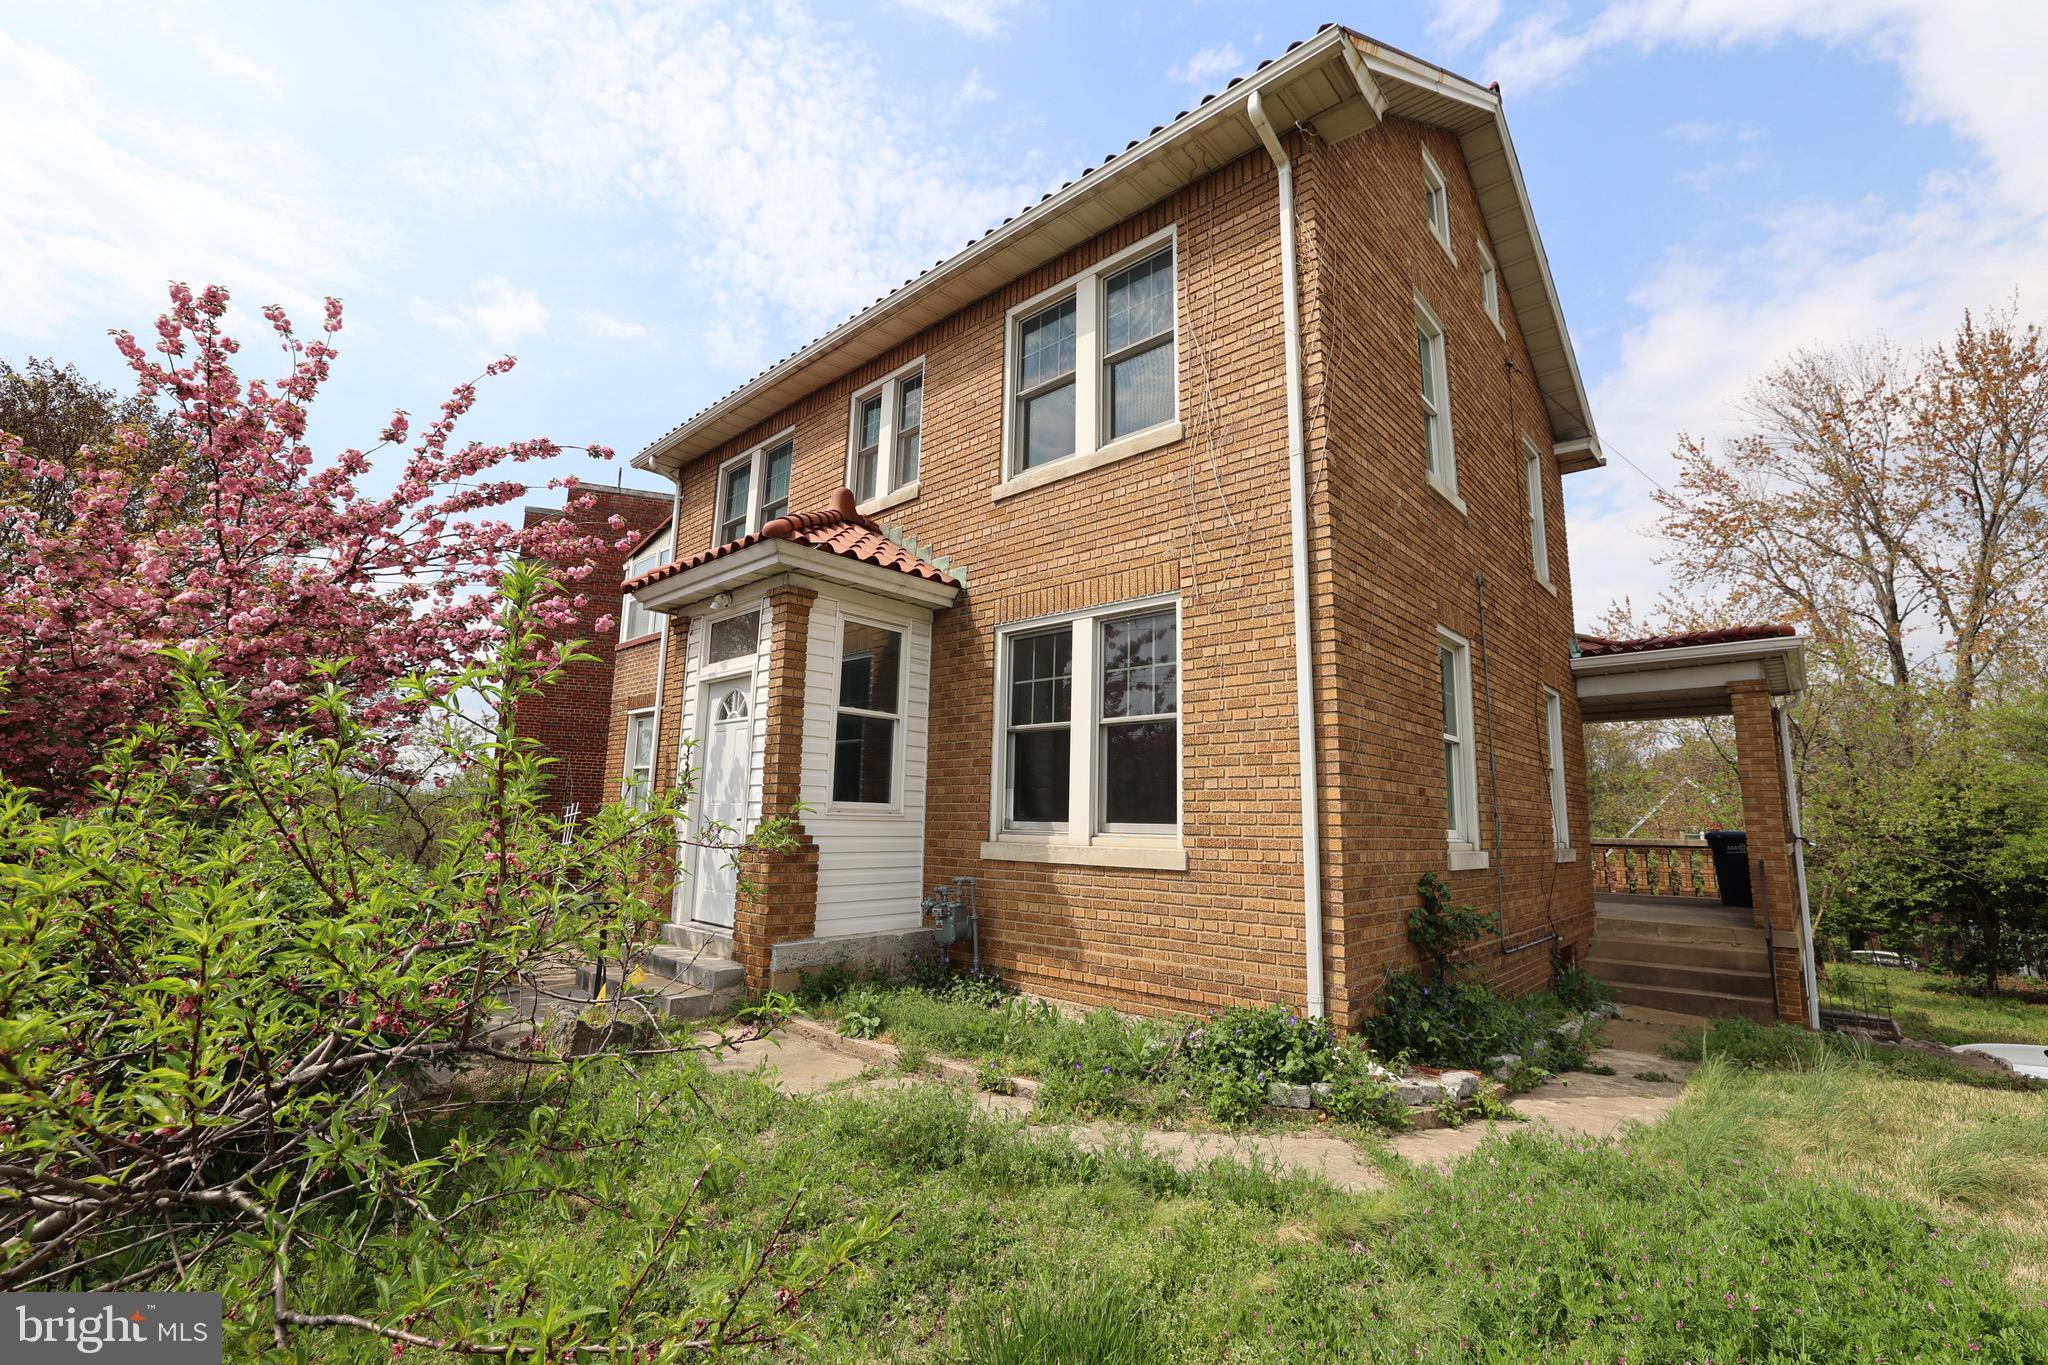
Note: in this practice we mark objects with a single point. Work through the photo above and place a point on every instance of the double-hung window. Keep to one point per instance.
(886, 436)
(1436, 201)
(635, 620)
(1539, 529)
(1435, 388)
(870, 709)
(1461, 769)
(639, 776)
(753, 490)
(1090, 738)
(1553, 753)
(1092, 363)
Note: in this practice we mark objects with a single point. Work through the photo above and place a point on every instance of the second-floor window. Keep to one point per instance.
(634, 619)
(887, 435)
(1437, 454)
(1539, 528)
(1093, 361)
(753, 489)
(1436, 201)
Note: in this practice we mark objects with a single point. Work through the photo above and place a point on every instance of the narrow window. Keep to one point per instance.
(1539, 530)
(775, 483)
(1436, 406)
(1140, 721)
(1045, 386)
(1460, 776)
(639, 783)
(1040, 758)
(1489, 282)
(867, 446)
(735, 502)
(1553, 749)
(909, 421)
(634, 619)
(1138, 345)
(870, 690)
(1436, 202)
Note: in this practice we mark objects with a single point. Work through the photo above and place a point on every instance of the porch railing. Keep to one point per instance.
(1654, 867)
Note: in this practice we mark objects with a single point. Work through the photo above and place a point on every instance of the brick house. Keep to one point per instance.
(1184, 561)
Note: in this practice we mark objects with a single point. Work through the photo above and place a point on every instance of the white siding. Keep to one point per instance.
(690, 734)
(870, 862)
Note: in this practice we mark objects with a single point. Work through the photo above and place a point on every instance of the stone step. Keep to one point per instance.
(669, 998)
(697, 967)
(1679, 931)
(1711, 1004)
(698, 938)
(1720, 957)
(1679, 976)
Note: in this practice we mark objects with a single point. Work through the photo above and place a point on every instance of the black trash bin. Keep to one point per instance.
(1731, 864)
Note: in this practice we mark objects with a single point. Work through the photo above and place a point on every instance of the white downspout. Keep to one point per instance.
(1799, 869)
(1297, 523)
(675, 539)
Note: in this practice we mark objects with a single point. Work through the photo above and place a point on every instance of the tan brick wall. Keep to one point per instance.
(781, 898)
(1206, 517)
(1773, 885)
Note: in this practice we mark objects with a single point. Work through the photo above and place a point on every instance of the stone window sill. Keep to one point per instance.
(1162, 855)
(1564, 855)
(1469, 860)
(884, 502)
(1137, 443)
(1449, 495)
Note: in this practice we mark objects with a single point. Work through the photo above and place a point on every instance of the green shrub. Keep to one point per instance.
(1439, 926)
(1577, 989)
(860, 1013)
(1232, 1098)
(1454, 1022)
(1272, 1043)
(824, 985)
(1359, 1095)
(1095, 1067)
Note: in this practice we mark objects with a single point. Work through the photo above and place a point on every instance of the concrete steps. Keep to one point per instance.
(1719, 970)
(698, 938)
(666, 996)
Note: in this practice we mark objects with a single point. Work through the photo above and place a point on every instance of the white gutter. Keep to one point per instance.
(1798, 866)
(1297, 525)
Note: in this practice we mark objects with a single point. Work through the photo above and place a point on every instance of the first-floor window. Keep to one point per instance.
(1095, 696)
(870, 706)
(1553, 752)
(1460, 770)
(639, 779)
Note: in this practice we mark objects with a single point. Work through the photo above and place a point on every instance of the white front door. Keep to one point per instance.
(722, 794)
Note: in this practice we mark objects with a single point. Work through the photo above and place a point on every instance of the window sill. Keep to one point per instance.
(1547, 586)
(883, 502)
(1137, 443)
(1564, 855)
(1444, 242)
(1448, 494)
(1160, 855)
(1469, 860)
(649, 638)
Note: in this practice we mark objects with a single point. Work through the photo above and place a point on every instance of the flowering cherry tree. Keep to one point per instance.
(287, 561)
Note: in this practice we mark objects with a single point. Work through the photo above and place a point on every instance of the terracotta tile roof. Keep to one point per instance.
(1592, 645)
(837, 529)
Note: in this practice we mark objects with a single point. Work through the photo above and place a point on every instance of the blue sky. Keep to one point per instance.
(648, 203)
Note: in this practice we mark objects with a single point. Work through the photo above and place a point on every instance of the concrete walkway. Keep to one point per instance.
(813, 1061)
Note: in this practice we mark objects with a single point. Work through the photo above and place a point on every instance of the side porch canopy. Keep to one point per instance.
(1748, 673)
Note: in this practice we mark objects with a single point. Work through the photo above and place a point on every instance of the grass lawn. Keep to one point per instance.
(1838, 1212)
(1944, 1009)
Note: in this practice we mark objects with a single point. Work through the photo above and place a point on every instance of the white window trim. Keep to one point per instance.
(664, 547)
(1463, 843)
(901, 715)
(647, 764)
(1535, 484)
(1084, 839)
(1091, 450)
(889, 389)
(1489, 286)
(1445, 479)
(1553, 748)
(757, 457)
(1440, 189)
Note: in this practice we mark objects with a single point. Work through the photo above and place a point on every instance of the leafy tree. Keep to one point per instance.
(229, 1019)
(57, 411)
(245, 546)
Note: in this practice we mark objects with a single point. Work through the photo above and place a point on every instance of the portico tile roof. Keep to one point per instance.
(1594, 645)
(837, 529)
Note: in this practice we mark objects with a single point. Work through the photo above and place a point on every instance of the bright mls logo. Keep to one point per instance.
(161, 1329)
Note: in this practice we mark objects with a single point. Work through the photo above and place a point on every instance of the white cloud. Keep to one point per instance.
(101, 204)
(1460, 23)
(1212, 66)
(800, 180)
(975, 18)
(606, 327)
(973, 90)
(496, 311)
